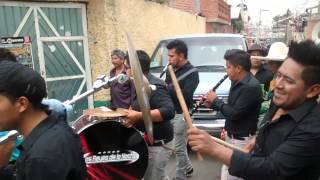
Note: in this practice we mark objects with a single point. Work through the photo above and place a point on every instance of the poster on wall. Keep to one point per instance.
(21, 47)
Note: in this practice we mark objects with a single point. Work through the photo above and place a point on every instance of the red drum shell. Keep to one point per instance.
(111, 150)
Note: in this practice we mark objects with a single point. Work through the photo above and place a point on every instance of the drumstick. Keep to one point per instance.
(182, 102)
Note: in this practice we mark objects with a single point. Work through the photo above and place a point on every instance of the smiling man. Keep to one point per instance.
(287, 145)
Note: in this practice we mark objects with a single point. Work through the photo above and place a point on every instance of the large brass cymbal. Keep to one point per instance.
(140, 83)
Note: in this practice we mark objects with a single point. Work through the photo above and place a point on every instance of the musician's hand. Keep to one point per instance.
(201, 141)
(211, 96)
(132, 118)
(223, 134)
(250, 145)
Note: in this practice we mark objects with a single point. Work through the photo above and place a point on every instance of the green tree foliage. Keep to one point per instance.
(282, 19)
(237, 25)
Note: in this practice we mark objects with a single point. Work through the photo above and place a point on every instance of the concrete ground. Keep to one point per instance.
(208, 169)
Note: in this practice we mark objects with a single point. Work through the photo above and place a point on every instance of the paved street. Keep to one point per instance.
(208, 169)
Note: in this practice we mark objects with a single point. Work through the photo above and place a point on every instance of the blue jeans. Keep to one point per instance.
(183, 162)
(158, 159)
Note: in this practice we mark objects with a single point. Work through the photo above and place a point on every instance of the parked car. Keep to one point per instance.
(205, 52)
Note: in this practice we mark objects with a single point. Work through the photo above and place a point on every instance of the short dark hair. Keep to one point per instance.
(6, 54)
(238, 57)
(144, 60)
(17, 80)
(307, 54)
(180, 47)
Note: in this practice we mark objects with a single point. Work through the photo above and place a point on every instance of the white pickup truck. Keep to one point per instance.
(205, 51)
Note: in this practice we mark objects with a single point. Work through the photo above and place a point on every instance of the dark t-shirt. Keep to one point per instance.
(161, 100)
(52, 151)
(264, 76)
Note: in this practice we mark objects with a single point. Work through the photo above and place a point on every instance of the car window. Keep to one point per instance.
(160, 56)
(202, 51)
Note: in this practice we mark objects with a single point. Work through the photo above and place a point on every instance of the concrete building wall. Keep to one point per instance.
(145, 22)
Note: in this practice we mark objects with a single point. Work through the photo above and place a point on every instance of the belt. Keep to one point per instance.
(239, 136)
(159, 142)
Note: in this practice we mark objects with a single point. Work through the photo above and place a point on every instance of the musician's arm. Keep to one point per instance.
(249, 97)
(162, 105)
(162, 108)
(6, 151)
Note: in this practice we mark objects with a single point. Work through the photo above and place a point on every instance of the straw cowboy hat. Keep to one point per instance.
(278, 52)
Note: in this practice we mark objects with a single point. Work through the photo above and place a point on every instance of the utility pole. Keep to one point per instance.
(259, 27)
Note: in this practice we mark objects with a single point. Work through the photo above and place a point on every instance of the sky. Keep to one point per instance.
(271, 8)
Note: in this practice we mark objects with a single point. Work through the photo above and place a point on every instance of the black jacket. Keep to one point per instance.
(188, 85)
(242, 110)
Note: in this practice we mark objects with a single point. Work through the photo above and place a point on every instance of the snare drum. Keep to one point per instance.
(111, 151)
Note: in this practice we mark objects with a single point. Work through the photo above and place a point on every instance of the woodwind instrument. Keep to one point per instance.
(200, 103)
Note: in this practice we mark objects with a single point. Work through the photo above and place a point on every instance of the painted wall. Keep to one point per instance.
(145, 22)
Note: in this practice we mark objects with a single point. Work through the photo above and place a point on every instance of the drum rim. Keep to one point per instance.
(97, 121)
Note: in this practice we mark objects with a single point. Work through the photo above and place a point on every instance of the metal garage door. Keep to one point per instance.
(59, 45)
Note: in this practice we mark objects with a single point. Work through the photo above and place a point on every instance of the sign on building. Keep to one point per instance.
(21, 47)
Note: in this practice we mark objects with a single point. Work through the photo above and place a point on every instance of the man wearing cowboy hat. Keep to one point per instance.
(277, 54)
(257, 67)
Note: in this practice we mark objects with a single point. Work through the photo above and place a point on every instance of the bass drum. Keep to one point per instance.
(111, 151)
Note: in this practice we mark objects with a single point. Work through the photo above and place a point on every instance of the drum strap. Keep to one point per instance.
(147, 138)
(155, 142)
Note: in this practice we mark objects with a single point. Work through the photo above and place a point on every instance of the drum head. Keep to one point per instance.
(113, 151)
(102, 113)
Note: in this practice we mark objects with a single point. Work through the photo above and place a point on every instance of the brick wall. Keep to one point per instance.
(185, 5)
(216, 12)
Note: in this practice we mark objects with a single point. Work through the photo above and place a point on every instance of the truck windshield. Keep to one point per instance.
(202, 51)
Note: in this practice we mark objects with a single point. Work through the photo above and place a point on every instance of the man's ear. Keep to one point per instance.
(22, 103)
(313, 91)
(239, 68)
(181, 56)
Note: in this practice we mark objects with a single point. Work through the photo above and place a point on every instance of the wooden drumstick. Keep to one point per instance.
(231, 146)
(182, 102)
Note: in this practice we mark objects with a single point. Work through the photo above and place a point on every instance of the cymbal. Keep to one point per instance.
(141, 88)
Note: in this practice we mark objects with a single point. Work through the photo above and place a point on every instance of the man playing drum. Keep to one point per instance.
(162, 111)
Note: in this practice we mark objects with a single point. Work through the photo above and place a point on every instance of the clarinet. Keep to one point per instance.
(199, 103)
(164, 70)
